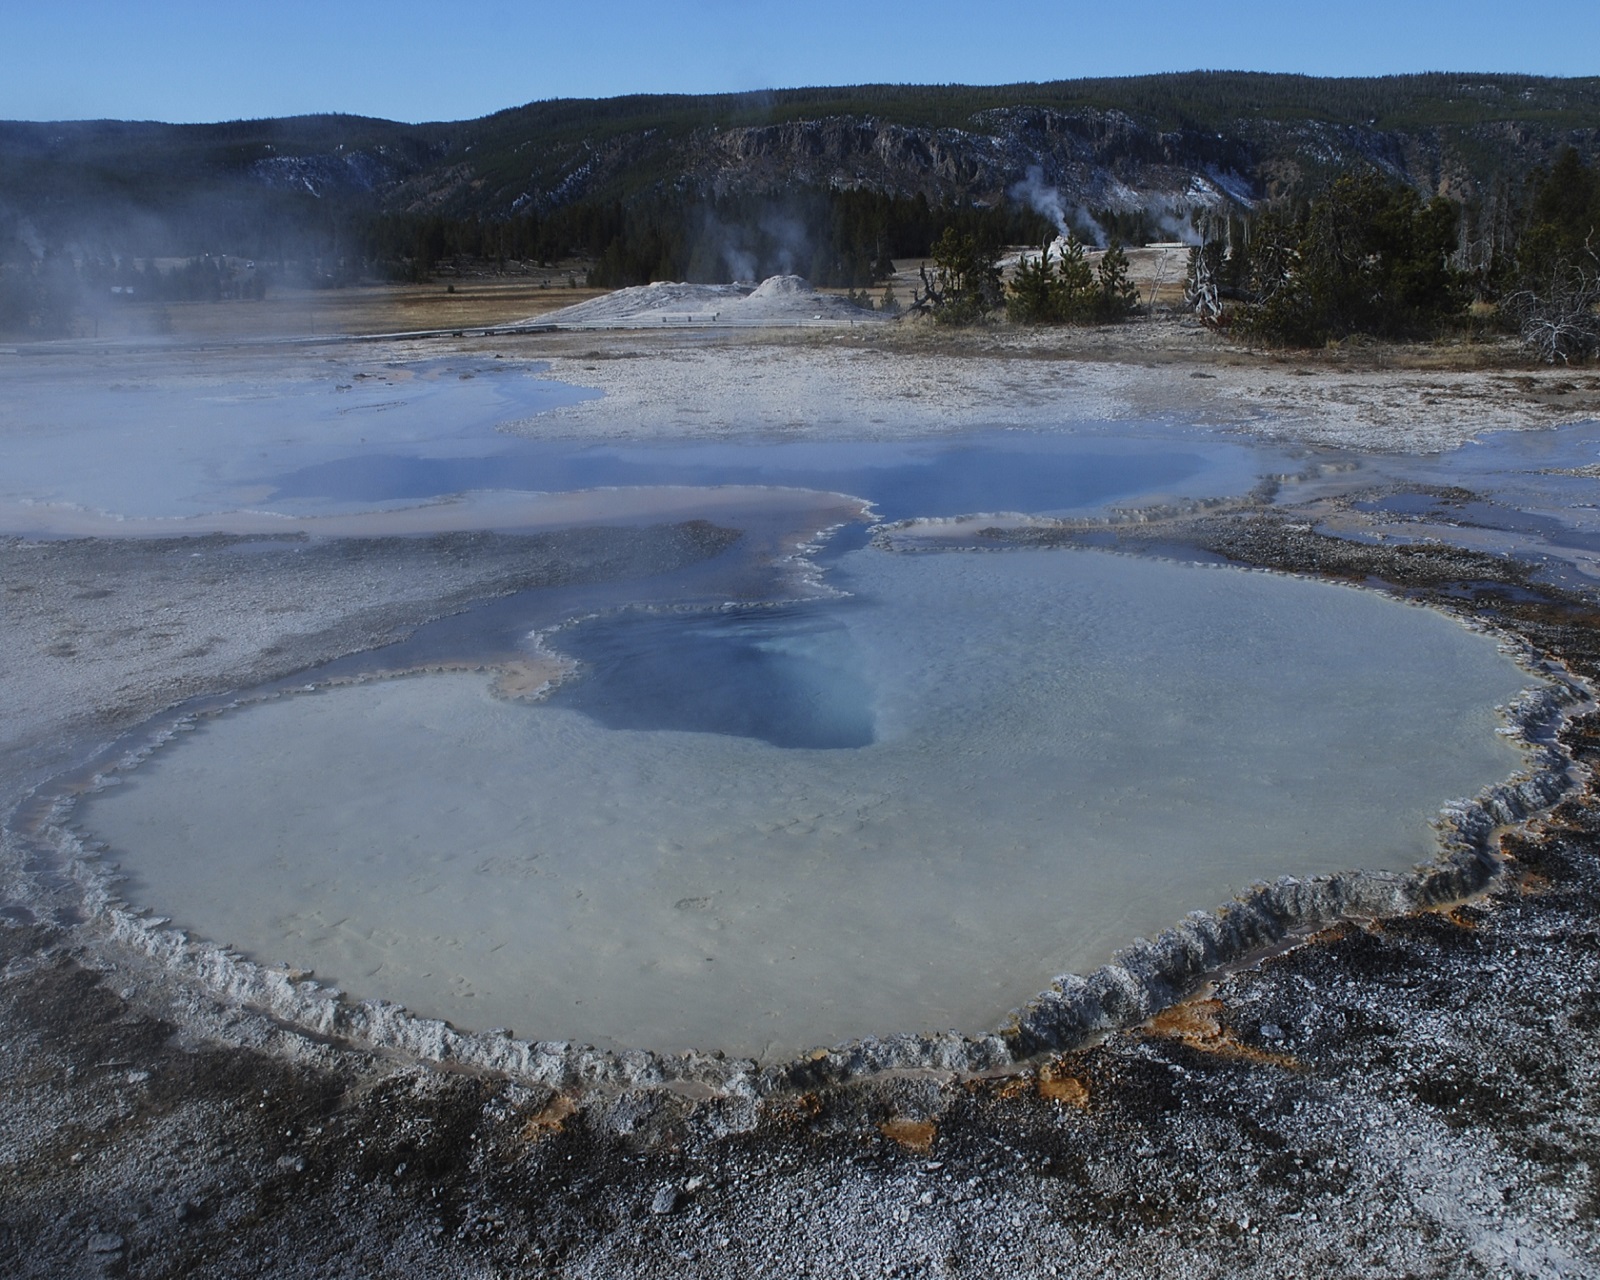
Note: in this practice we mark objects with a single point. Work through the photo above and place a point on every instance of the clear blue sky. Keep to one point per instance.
(181, 60)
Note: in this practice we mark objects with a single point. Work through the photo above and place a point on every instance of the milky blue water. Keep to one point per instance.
(243, 432)
(901, 809)
(181, 438)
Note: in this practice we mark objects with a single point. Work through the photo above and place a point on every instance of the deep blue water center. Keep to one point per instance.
(789, 676)
(785, 675)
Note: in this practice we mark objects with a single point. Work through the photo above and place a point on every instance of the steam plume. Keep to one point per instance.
(1070, 219)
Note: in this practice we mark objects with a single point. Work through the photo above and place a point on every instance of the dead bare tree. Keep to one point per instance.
(1159, 280)
(931, 295)
(1200, 289)
(1560, 320)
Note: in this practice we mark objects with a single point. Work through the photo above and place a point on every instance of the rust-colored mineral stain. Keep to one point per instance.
(913, 1135)
(1195, 1022)
(1198, 1024)
(808, 1106)
(550, 1118)
(1059, 1085)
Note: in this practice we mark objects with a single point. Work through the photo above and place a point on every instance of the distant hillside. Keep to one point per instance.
(1164, 145)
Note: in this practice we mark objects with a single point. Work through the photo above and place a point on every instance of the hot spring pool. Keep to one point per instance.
(762, 830)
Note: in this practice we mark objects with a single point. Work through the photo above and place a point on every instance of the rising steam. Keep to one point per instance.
(1070, 219)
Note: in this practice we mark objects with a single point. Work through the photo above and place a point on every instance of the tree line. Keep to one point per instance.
(844, 239)
(1058, 286)
(1369, 256)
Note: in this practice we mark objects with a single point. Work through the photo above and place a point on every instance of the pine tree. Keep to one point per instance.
(965, 284)
(1031, 296)
(1057, 287)
(1117, 297)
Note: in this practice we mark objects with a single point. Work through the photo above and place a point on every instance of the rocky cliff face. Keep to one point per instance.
(1200, 140)
(1101, 157)
(1104, 159)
